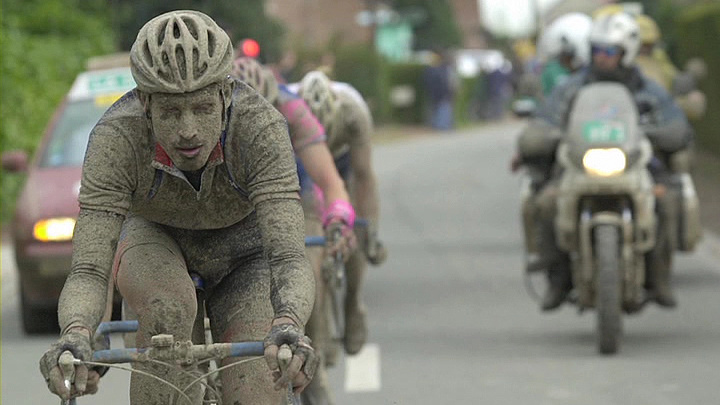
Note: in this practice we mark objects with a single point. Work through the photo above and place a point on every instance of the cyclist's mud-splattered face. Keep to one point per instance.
(187, 125)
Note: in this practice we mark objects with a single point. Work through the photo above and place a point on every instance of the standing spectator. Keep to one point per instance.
(499, 90)
(440, 82)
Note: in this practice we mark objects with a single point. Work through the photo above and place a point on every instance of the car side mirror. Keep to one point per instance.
(524, 107)
(15, 161)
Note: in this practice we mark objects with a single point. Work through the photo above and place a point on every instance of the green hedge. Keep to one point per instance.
(698, 30)
(408, 74)
(362, 67)
(375, 79)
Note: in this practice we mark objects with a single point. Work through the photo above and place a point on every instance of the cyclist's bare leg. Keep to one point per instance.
(154, 280)
(239, 309)
(355, 313)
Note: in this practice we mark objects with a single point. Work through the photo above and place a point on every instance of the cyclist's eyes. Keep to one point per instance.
(203, 109)
(167, 113)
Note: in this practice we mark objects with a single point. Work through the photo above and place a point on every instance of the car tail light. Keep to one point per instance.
(54, 229)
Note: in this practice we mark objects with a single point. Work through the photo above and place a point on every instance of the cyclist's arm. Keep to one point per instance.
(271, 177)
(318, 162)
(83, 298)
(308, 140)
(107, 182)
(365, 192)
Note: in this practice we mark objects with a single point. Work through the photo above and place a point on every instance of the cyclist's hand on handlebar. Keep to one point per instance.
(303, 363)
(345, 244)
(376, 253)
(77, 341)
(340, 214)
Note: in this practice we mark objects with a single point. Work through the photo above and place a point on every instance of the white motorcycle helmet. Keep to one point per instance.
(619, 29)
(568, 34)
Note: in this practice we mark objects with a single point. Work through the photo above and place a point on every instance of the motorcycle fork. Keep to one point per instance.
(633, 275)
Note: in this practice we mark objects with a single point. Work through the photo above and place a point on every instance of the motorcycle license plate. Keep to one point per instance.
(603, 132)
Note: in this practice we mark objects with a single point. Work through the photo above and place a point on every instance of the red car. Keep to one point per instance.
(47, 206)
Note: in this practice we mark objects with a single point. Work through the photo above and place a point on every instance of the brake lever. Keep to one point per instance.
(67, 367)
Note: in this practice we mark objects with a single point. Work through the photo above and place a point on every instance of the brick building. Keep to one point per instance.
(314, 22)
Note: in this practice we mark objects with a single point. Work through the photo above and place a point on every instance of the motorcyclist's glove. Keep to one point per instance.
(301, 368)
(77, 341)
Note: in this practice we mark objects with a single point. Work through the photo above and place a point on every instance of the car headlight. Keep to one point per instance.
(54, 229)
(604, 162)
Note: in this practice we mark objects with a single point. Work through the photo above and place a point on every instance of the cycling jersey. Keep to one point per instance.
(127, 173)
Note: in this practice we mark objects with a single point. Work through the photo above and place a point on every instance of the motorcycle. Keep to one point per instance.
(606, 208)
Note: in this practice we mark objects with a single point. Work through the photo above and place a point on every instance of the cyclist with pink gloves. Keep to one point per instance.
(325, 199)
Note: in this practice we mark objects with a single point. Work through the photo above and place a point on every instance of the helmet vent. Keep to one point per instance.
(147, 55)
(176, 30)
(181, 62)
(192, 28)
(161, 33)
(211, 44)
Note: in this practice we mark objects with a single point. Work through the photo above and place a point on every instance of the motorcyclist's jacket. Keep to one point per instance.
(662, 73)
(662, 120)
(552, 75)
(126, 172)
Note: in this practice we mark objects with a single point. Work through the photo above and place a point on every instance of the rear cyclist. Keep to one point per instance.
(191, 171)
(348, 125)
(317, 173)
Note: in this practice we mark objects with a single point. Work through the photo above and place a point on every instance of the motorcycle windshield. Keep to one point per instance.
(603, 115)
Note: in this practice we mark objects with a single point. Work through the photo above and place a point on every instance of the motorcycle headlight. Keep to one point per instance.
(54, 229)
(604, 162)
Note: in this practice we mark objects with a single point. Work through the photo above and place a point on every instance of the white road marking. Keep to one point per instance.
(362, 371)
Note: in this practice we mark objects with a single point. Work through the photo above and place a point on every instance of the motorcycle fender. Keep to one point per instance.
(689, 226)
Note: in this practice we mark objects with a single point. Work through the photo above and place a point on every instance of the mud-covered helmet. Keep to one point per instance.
(256, 76)
(649, 30)
(619, 29)
(316, 90)
(568, 35)
(179, 52)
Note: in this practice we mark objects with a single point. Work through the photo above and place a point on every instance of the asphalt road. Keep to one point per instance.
(450, 319)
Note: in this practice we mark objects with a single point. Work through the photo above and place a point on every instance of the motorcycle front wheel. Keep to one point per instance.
(608, 288)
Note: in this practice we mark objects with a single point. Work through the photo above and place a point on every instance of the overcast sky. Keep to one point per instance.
(511, 17)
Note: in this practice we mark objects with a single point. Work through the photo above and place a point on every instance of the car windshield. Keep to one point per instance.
(69, 137)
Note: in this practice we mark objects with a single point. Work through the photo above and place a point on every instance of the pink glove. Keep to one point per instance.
(339, 210)
(342, 214)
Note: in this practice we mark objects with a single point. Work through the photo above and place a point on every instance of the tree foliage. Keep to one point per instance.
(241, 19)
(438, 27)
(43, 48)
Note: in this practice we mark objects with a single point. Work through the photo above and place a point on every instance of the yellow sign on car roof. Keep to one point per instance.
(101, 82)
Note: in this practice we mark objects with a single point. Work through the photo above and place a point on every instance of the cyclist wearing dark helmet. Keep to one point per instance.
(191, 171)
